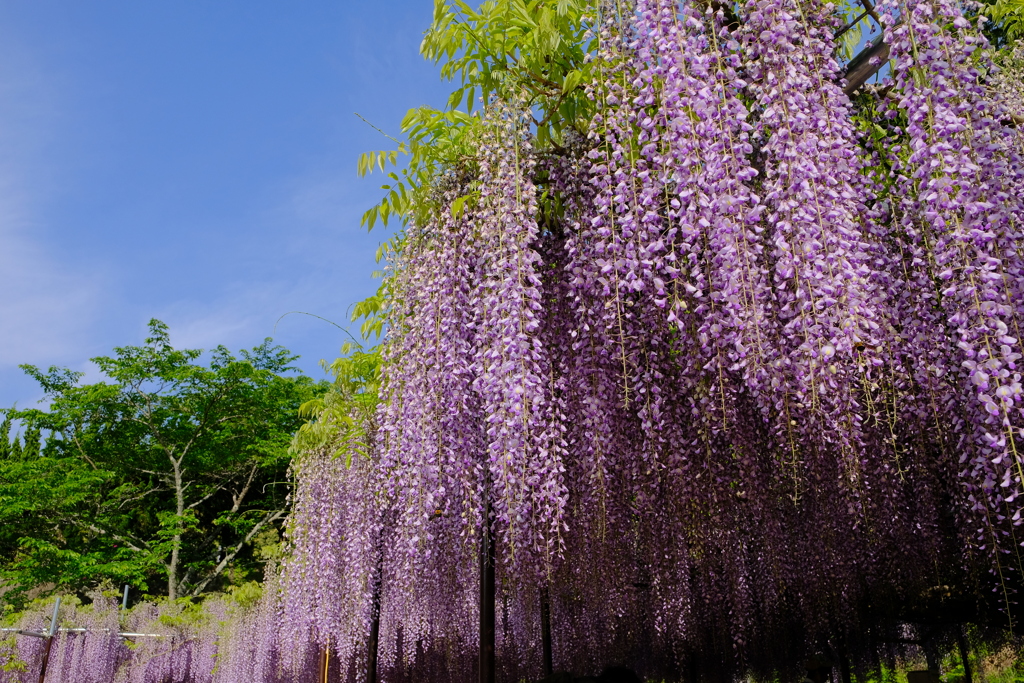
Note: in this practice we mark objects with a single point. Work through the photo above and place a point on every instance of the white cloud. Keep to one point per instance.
(45, 306)
(204, 325)
(320, 262)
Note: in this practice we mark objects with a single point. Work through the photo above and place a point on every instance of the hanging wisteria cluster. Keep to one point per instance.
(100, 643)
(732, 376)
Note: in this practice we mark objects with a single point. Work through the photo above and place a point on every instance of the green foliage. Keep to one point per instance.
(534, 52)
(268, 546)
(341, 420)
(436, 140)
(1008, 15)
(32, 445)
(162, 473)
(10, 662)
(512, 47)
(187, 616)
(855, 20)
(246, 595)
(13, 450)
(370, 309)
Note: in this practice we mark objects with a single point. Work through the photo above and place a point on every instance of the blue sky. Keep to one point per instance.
(193, 161)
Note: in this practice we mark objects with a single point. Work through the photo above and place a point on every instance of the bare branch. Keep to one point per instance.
(216, 571)
(865, 65)
(205, 498)
(245, 489)
(132, 499)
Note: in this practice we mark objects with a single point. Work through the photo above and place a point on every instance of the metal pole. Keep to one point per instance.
(53, 619)
(124, 600)
(49, 640)
(486, 596)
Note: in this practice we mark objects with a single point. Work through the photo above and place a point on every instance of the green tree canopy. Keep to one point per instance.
(162, 475)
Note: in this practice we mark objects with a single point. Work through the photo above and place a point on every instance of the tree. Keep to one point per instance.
(167, 470)
(32, 443)
(5, 436)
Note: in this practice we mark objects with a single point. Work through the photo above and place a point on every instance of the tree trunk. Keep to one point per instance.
(845, 674)
(486, 596)
(372, 643)
(172, 567)
(931, 652)
(371, 654)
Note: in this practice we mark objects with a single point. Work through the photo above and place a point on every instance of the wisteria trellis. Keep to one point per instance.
(735, 369)
(722, 363)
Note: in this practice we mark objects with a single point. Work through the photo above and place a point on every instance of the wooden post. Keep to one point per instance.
(325, 657)
(46, 658)
(545, 629)
(486, 596)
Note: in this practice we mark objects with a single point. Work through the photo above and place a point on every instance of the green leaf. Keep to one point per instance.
(571, 81)
(458, 205)
(369, 218)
